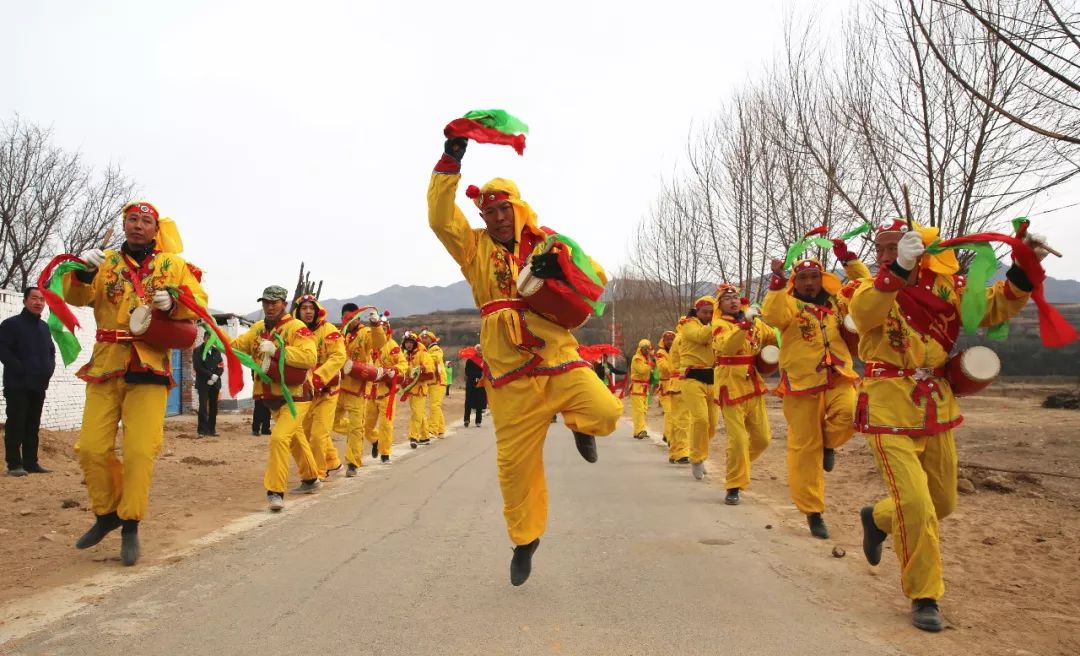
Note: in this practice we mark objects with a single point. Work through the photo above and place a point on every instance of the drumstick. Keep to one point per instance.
(266, 363)
(907, 205)
(1022, 232)
(108, 237)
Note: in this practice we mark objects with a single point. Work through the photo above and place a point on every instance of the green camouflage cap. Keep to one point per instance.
(274, 293)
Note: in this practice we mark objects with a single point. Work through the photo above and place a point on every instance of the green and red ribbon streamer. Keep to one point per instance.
(491, 126)
(582, 277)
(62, 321)
(285, 393)
(185, 297)
(815, 238)
(1054, 330)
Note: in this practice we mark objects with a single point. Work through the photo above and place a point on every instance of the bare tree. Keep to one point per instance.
(1044, 36)
(49, 201)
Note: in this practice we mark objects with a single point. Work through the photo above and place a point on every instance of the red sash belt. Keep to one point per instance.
(734, 359)
(502, 304)
(113, 336)
(925, 377)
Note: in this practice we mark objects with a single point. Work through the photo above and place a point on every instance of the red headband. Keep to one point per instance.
(804, 265)
(487, 198)
(143, 207)
(702, 302)
(897, 225)
(725, 289)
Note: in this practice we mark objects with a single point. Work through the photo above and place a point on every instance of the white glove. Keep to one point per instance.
(1037, 243)
(909, 249)
(214, 379)
(347, 368)
(162, 300)
(752, 312)
(266, 347)
(94, 257)
(372, 318)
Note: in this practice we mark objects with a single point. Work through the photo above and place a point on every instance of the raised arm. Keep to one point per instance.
(445, 218)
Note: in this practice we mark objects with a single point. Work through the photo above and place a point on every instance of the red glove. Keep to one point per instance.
(840, 250)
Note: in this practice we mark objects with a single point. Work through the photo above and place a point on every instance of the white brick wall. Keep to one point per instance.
(67, 394)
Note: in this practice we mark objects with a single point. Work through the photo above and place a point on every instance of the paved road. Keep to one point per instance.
(413, 559)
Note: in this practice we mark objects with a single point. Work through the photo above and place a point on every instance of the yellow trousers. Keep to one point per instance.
(701, 417)
(522, 411)
(436, 423)
(815, 422)
(665, 407)
(638, 409)
(113, 485)
(317, 426)
(748, 435)
(920, 474)
(418, 426)
(378, 427)
(355, 412)
(341, 419)
(679, 436)
(288, 436)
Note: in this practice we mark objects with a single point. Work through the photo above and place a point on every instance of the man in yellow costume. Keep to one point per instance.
(263, 341)
(641, 368)
(420, 373)
(679, 438)
(907, 318)
(325, 383)
(697, 360)
(391, 368)
(436, 423)
(127, 380)
(531, 364)
(817, 379)
(738, 338)
(663, 366)
(353, 401)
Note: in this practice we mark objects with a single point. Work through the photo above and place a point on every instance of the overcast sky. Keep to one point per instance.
(278, 131)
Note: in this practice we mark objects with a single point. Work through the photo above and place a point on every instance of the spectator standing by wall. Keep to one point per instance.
(29, 358)
(208, 370)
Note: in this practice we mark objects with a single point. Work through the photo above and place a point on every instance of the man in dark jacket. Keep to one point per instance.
(475, 394)
(29, 358)
(208, 371)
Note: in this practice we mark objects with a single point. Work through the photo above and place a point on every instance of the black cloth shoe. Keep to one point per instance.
(665, 439)
(732, 498)
(413, 443)
(926, 615)
(671, 461)
(521, 563)
(828, 460)
(256, 433)
(129, 542)
(818, 529)
(586, 446)
(685, 460)
(375, 450)
(35, 469)
(872, 536)
(466, 423)
(385, 458)
(266, 432)
(103, 525)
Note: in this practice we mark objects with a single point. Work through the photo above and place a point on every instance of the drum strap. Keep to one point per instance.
(503, 304)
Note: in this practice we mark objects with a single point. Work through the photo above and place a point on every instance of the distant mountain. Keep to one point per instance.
(403, 301)
(419, 300)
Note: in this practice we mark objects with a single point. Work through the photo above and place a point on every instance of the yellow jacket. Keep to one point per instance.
(390, 358)
(113, 297)
(331, 357)
(675, 360)
(736, 347)
(301, 351)
(695, 351)
(516, 341)
(437, 358)
(419, 363)
(813, 353)
(360, 349)
(897, 399)
(640, 375)
(663, 364)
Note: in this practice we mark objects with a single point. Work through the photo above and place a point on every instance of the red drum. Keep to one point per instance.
(972, 370)
(293, 375)
(154, 327)
(850, 335)
(365, 371)
(768, 360)
(553, 300)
